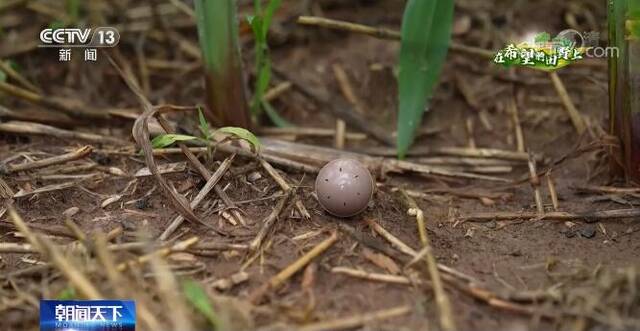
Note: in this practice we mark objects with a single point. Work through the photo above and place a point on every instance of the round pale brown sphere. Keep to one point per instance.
(344, 187)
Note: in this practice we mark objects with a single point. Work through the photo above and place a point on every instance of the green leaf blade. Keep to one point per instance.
(260, 23)
(268, 16)
(241, 133)
(198, 298)
(203, 125)
(68, 293)
(542, 37)
(217, 32)
(274, 116)
(164, 140)
(426, 32)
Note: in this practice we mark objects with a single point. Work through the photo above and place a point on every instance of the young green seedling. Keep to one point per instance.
(207, 136)
(260, 23)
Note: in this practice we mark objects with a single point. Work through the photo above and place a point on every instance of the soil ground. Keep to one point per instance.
(521, 255)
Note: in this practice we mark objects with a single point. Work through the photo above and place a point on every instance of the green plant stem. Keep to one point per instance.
(218, 36)
(260, 24)
(624, 87)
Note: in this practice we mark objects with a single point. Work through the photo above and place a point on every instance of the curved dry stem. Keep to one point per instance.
(140, 134)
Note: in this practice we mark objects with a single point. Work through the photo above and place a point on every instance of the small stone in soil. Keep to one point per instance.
(129, 225)
(70, 212)
(102, 159)
(588, 231)
(142, 203)
(371, 204)
(254, 176)
(469, 233)
(569, 233)
(491, 225)
(516, 253)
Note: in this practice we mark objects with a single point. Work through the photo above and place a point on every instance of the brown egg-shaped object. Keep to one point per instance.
(344, 187)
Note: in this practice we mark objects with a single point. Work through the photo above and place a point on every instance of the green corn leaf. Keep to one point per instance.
(268, 15)
(634, 9)
(542, 37)
(56, 24)
(69, 293)
(73, 10)
(198, 298)
(14, 65)
(217, 32)
(260, 23)
(426, 32)
(255, 21)
(203, 125)
(165, 140)
(241, 133)
(634, 28)
(278, 120)
(264, 76)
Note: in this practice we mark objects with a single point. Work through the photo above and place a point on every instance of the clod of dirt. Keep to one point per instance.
(491, 225)
(344, 187)
(142, 203)
(588, 231)
(569, 233)
(102, 159)
(70, 212)
(254, 176)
